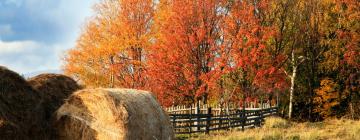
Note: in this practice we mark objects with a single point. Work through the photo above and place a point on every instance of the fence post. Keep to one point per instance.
(261, 111)
(238, 114)
(261, 119)
(174, 122)
(190, 123)
(208, 120)
(243, 117)
(197, 111)
(220, 117)
(257, 119)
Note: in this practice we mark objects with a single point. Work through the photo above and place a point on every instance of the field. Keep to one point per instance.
(280, 129)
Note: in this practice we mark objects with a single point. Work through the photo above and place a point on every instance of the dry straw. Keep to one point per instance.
(21, 113)
(53, 89)
(112, 114)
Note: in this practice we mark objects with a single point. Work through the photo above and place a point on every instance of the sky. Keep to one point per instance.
(34, 34)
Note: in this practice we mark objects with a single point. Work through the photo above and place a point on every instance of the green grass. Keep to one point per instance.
(280, 129)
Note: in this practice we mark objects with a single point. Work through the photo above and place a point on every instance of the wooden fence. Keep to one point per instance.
(216, 109)
(210, 120)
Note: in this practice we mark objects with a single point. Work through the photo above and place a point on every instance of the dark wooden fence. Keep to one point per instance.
(194, 123)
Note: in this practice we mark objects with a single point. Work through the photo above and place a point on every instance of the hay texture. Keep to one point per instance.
(112, 114)
(53, 89)
(21, 113)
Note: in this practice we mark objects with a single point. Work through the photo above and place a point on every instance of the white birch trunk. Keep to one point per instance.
(292, 77)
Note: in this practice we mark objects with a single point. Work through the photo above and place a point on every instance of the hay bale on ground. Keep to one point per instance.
(53, 89)
(112, 114)
(21, 113)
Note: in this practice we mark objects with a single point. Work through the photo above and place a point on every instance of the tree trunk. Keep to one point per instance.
(277, 100)
(293, 76)
(112, 77)
(352, 112)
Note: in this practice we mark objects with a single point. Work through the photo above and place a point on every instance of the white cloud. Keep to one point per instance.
(52, 27)
(17, 47)
(29, 56)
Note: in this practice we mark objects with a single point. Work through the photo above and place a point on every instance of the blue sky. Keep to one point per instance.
(35, 33)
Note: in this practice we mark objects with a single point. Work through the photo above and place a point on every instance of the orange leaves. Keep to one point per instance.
(341, 24)
(172, 47)
(185, 48)
(183, 53)
(327, 97)
(111, 49)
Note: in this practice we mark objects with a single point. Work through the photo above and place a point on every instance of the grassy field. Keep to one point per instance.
(280, 129)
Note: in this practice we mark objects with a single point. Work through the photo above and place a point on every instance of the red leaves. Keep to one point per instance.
(250, 49)
(179, 49)
(187, 41)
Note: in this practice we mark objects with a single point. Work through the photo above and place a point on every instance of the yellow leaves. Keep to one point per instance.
(339, 27)
(327, 97)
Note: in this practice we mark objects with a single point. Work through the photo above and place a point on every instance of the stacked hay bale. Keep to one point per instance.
(53, 89)
(21, 113)
(112, 114)
(26, 108)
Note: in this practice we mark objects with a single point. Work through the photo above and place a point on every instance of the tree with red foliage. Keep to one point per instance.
(185, 50)
(200, 41)
(247, 41)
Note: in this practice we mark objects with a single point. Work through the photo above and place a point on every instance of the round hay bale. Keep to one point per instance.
(21, 113)
(53, 89)
(112, 114)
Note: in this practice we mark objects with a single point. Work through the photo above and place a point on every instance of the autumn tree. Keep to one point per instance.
(311, 34)
(247, 43)
(297, 39)
(111, 51)
(185, 50)
(327, 97)
(188, 51)
(341, 34)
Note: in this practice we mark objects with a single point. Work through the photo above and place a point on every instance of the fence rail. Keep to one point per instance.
(205, 122)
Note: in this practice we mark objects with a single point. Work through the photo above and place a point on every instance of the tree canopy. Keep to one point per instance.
(219, 51)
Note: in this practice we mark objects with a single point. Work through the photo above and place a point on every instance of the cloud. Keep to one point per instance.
(29, 56)
(35, 33)
(44, 20)
(17, 47)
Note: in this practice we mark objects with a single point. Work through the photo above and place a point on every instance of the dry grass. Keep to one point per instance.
(280, 129)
